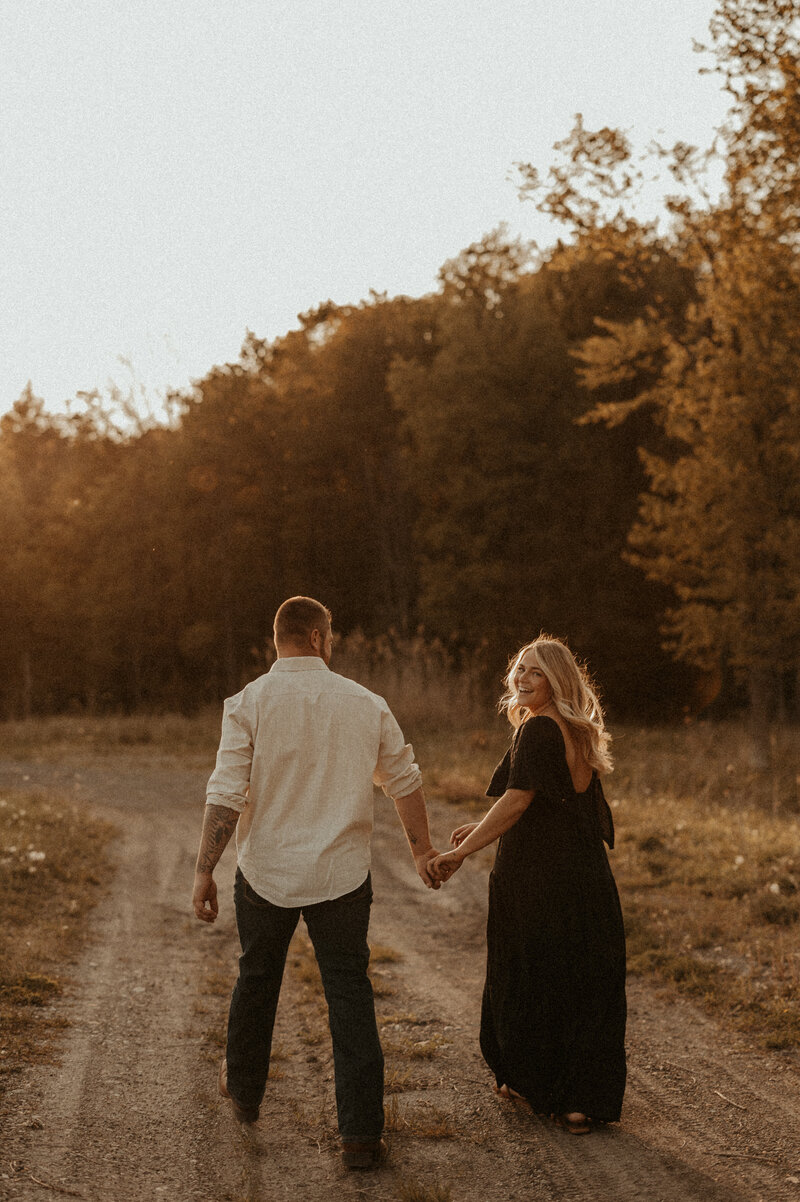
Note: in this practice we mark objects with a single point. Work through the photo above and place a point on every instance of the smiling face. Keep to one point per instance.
(530, 684)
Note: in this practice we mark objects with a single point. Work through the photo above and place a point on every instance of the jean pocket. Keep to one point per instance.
(362, 893)
(252, 898)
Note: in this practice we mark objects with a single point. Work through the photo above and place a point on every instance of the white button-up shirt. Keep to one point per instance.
(301, 749)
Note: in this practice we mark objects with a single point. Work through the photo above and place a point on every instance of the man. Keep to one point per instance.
(301, 748)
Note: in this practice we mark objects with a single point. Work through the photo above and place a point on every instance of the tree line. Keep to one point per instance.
(601, 441)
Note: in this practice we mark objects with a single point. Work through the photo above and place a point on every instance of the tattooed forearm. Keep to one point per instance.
(414, 816)
(218, 826)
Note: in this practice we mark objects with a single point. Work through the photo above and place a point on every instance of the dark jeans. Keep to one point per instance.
(338, 932)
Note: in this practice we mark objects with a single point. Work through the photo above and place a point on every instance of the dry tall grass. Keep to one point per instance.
(427, 683)
(708, 762)
(57, 735)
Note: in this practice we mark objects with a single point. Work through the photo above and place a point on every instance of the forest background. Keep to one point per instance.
(600, 440)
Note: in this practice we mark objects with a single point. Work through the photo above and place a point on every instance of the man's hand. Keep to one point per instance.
(422, 863)
(219, 823)
(204, 897)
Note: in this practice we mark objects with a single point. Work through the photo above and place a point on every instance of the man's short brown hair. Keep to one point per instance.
(297, 617)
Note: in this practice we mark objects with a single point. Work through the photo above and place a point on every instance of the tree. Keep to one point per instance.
(522, 514)
(350, 455)
(720, 522)
(48, 468)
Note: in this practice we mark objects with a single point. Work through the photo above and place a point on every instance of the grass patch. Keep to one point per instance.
(63, 735)
(420, 1120)
(711, 895)
(425, 1049)
(307, 971)
(398, 1080)
(380, 954)
(415, 1049)
(707, 763)
(212, 1000)
(406, 1052)
(312, 1036)
(381, 987)
(214, 1039)
(312, 1030)
(401, 1018)
(217, 984)
(53, 867)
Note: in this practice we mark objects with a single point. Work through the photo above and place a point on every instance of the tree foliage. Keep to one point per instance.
(415, 463)
(469, 462)
(720, 521)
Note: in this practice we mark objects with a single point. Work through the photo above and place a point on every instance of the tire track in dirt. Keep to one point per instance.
(131, 1111)
(116, 1113)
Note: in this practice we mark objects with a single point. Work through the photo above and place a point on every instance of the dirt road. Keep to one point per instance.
(131, 1113)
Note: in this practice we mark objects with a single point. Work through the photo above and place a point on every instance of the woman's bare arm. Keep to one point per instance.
(505, 812)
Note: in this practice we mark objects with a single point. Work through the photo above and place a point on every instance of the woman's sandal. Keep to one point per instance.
(580, 1126)
(505, 1091)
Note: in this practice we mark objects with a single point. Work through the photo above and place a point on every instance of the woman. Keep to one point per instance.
(553, 1014)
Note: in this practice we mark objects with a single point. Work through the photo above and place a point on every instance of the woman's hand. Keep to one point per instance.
(460, 833)
(443, 867)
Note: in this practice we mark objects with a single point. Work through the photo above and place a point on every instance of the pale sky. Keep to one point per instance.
(175, 172)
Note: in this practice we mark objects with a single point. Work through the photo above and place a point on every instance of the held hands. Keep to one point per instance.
(422, 863)
(443, 867)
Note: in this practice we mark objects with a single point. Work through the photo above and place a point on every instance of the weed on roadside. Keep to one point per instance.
(381, 986)
(711, 898)
(418, 1120)
(217, 984)
(379, 953)
(415, 1049)
(402, 1019)
(399, 1080)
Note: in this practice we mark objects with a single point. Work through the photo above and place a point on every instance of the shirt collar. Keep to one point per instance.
(299, 663)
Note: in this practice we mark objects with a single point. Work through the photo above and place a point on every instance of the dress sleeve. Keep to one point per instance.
(534, 755)
(499, 781)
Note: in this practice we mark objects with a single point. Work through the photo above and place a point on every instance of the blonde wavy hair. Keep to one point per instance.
(574, 696)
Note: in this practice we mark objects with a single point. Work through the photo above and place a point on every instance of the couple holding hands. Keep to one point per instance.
(301, 748)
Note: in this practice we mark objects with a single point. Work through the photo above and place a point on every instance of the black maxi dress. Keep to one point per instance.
(553, 1012)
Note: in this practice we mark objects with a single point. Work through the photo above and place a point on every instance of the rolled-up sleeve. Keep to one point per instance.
(396, 772)
(230, 780)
